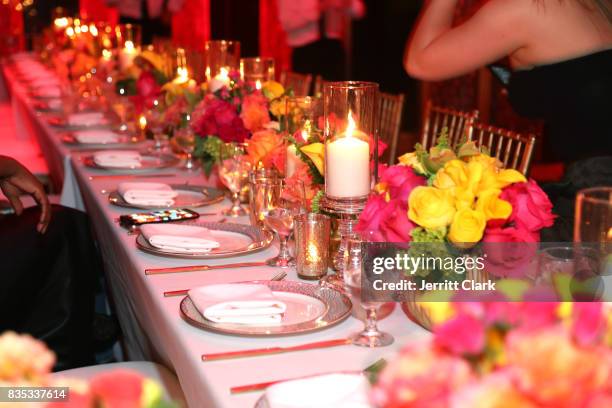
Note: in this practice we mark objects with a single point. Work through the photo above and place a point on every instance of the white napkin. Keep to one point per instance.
(179, 238)
(238, 303)
(96, 136)
(157, 194)
(118, 158)
(86, 119)
(49, 91)
(323, 391)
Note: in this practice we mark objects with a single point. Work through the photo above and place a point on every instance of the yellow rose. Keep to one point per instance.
(278, 107)
(316, 153)
(509, 176)
(411, 159)
(467, 227)
(430, 207)
(453, 174)
(464, 197)
(272, 89)
(486, 160)
(492, 206)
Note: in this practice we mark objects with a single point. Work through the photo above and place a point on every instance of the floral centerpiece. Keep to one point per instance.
(494, 355)
(461, 195)
(27, 362)
(235, 112)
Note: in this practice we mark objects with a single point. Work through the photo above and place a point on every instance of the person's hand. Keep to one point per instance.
(16, 180)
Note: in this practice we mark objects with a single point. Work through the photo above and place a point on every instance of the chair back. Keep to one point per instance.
(299, 83)
(513, 149)
(390, 108)
(436, 118)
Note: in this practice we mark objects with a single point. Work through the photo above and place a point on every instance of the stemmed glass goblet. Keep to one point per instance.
(186, 141)
(370, 336)
(234, 170)
(287, 201)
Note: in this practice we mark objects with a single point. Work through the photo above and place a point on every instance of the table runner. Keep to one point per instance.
(152, 325)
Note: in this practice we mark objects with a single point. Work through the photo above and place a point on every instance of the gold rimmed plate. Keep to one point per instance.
(188, 196)
(123, 141)
(148, 162)
(234, 240)
(309, 308)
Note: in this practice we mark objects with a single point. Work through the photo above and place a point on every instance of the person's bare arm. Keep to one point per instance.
(438, 51)
(16, 180)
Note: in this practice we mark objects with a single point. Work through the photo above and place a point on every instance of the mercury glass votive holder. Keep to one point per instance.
(312, 233)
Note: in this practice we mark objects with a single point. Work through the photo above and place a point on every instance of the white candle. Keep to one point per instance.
(347, 171)
(292, 162)
(220, 80)
(127, 55)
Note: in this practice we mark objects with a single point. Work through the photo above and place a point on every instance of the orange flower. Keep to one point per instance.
(263, 147)
(254, 112)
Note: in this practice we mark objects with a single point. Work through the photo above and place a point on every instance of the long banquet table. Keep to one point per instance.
(152, 324)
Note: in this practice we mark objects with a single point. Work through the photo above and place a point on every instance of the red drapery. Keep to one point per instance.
(190, 26)
(11, 29)
(272, 38)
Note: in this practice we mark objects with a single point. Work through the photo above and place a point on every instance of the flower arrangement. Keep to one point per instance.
(233, 113)
(498, 354)
(462, 196)
(27, 362)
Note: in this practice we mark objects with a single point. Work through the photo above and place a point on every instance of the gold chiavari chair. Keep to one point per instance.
(436, 118)
(390, 109)
(513, 149)
(299, 83)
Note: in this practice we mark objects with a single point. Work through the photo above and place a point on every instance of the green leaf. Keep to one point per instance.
(373, 371)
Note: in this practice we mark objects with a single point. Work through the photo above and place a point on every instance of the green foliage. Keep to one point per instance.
(316, 202)
(420, 234)
(373, 371)
(207, 151)
(159, 76)
(317, 178)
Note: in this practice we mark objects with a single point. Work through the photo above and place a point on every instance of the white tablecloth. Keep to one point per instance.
(152, 325)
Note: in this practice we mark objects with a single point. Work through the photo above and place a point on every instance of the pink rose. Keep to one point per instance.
(395, 225)
(588, 322)
(174, 114)
(509, 251)
(421, 377)
(118, 388)
(531, 208)
(215, 117)
(400, 181)
(496, 390)
(371, 217)
(463, 335)
(255, 112)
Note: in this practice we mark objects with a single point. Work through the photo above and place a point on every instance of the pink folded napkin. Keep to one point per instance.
(125, 159)
(238, 303)
(179, 238)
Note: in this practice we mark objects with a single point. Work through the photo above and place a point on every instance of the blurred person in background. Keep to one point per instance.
(48, 263)
(560, 57)
(315, 30)
(154, 16)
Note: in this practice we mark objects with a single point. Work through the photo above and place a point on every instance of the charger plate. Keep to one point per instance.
(309, 308)
(235, 240)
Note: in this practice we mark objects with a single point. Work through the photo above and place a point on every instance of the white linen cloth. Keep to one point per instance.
(323, 391)
(96, 136)
(179, 238)
(118, 158)
(48, 91)
(86, 119)
(238, 303)
(147, 193)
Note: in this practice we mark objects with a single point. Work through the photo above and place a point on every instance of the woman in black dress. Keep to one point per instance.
(560, 52)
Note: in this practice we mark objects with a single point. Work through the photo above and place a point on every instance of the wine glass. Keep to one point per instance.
(123, 108)
(286, 201)
(259, 197)
(155, 123)
(370, 336)
(186, 140)
(234, 170)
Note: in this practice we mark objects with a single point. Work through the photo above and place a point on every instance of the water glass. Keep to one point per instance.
(234, 168)
(186, 141)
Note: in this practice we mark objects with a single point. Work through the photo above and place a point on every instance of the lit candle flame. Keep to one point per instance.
(258, 84)
(312, 254)
(182, 74)
(61, 22)
(142, 121)
(351, 126)
(129, 46)
(107, 54)
(93, 30)
(223, 73)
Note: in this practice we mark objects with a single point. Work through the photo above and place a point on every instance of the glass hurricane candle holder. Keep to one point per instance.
(257, 70)
(220, 58)
(350, 126)
(129, 32)
(300, 123)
